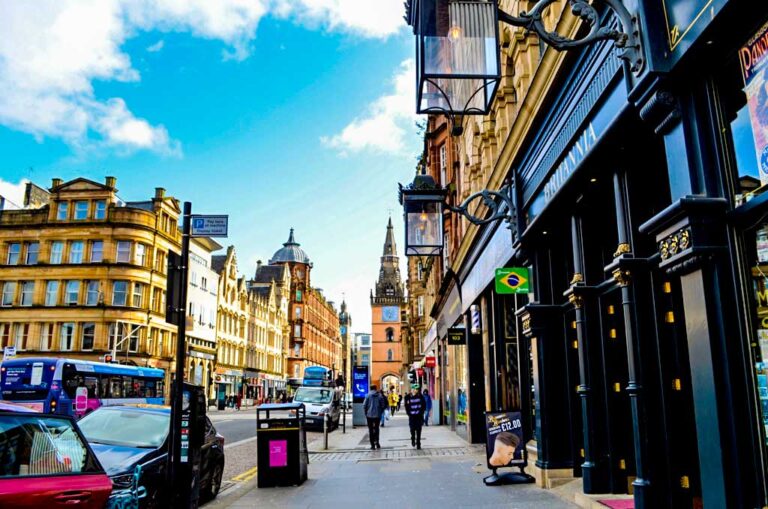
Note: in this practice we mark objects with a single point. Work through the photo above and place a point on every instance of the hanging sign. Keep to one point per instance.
(429, 362)
(504, 444)
(513, 280)
(456, 337)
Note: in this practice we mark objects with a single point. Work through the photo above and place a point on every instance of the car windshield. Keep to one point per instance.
(305, 395)
(123, 427)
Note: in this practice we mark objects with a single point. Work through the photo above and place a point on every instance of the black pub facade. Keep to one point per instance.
(640, 360)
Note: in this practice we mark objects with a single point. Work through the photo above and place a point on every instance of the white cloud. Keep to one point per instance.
(13, 193)
(154, 48)
(369, 18)
(52, 51)
(386, 123)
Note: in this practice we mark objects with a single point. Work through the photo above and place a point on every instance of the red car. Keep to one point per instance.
(46, 462)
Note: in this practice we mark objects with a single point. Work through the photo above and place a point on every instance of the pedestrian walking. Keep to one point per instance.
(385, 413)
(428, 407)
(393, 402)
(415, 405)
(399, 401)
(374, 406)
(238, 401)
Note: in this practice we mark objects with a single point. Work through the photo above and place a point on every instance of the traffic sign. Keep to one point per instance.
(209, 226)
(513, 280)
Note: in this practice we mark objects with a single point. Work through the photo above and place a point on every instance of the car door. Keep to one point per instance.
(207, 454)
(46, 462)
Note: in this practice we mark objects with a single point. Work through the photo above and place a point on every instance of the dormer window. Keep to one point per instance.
(100, 212)
(81, 210)
(62, 211)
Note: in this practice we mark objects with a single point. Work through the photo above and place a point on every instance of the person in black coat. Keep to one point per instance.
(415, 406)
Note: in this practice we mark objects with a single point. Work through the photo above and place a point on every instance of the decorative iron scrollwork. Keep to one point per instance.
(623, 248)
(493, 200)
(627, 39)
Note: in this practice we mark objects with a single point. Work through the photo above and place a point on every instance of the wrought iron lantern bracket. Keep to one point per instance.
(493, 200)
(627, 39)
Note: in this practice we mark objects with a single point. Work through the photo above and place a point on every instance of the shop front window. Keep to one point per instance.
(759, 275)
(744, 97)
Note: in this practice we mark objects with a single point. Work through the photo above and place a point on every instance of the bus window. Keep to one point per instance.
(128, 390)
(92, 383)
(115, 387)
(140, 387)
(104, 383)
(160, 389)
(71, 380)
(149, 388)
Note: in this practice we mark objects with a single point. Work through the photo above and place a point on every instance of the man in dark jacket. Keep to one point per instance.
(374, 406)
(415, 406)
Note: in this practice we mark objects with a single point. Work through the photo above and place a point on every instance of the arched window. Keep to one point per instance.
(390, 334)
(389, 354)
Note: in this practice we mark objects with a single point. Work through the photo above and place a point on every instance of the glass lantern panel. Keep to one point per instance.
(425, 227)
(459, 38)
(466, 96)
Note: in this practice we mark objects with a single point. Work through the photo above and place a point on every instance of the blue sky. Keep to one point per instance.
(280, 114)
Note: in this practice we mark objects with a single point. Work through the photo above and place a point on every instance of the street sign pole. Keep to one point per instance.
(176, 404)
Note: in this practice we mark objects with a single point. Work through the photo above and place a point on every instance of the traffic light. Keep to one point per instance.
(107, 358)
(412, 376)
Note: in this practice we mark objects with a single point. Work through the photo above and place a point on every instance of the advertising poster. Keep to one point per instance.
(278, 453)
(504, 444)
(753, 58)
(359, 383)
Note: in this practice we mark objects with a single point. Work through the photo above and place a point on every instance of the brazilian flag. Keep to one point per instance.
(512, 280)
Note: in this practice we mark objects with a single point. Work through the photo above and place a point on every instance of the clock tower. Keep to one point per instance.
(387, 304)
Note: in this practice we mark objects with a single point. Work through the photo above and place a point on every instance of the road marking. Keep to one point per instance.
(239, 442)
(246, 476)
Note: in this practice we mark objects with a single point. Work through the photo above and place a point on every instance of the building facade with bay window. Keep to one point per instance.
(638, 360)
(83, 273)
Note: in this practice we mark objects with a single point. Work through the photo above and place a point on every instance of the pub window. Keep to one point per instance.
(743, 93)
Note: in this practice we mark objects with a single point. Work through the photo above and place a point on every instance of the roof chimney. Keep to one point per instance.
(159, 193)
(56, 182)
(111, 182)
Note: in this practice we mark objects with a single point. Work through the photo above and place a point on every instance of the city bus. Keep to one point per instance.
(77, 387)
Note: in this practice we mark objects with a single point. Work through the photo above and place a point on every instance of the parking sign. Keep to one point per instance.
(209, 226)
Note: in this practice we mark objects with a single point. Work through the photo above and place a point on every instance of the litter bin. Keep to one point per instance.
(282, 454)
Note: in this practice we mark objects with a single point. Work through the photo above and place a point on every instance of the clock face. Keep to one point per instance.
(390, 314)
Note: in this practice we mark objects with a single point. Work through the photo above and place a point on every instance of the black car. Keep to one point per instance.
(124, 437)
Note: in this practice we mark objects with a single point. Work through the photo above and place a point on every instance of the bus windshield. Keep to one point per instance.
(29, 380)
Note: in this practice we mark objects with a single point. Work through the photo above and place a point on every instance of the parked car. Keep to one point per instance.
(45, 461)
(320, 403)
(124, 437)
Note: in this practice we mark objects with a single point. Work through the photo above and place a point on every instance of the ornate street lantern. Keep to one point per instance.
(457, 47)
(457, 55)
(422, 203)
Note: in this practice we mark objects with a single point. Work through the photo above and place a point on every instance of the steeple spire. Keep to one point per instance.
(389, 286)
(390, 249)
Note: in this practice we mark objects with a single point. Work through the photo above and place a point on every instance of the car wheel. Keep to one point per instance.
(214, 485)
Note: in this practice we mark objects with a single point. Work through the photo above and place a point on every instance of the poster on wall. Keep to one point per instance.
(504, 439)
(754, 68)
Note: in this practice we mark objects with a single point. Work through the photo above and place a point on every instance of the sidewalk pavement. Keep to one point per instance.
(447, 472)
